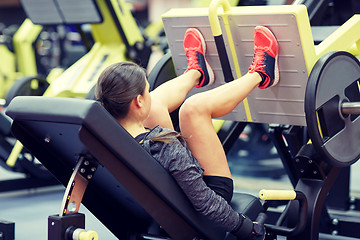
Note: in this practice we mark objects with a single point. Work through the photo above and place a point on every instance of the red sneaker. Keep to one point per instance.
(195, 48)
(265, 60)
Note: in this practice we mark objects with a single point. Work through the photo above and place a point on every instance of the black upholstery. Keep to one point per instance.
(127, 181)
(5, 124)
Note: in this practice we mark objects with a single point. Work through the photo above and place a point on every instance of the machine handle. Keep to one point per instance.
(82, 234)
(277, 194)
(213, 18)
(88, 235)
(259, 226)
(219, 41)
(261, 218)
(287, 195)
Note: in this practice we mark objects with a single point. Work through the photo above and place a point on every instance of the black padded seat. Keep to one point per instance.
(127, 180)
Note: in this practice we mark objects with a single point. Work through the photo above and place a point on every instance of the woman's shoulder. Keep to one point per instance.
(158, 129)
(173, 143)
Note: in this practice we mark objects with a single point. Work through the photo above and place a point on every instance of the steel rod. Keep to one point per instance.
(350, 108)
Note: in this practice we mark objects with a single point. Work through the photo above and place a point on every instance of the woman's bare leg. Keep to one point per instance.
(197, 111)
(196, 125)
(169, 96)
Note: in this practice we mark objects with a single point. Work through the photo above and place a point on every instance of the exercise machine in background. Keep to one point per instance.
(116, 38)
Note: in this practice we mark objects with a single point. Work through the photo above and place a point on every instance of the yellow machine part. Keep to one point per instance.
(109, 48)
(277, 194)
(216, 30)
(24, 49)
(7, 69)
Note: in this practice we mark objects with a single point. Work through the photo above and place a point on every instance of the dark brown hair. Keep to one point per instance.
(118, 85)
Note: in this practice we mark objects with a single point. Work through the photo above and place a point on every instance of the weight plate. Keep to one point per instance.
(334, 80)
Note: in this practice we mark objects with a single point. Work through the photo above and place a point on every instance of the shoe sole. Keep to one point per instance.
(208, 67)
(276, 68)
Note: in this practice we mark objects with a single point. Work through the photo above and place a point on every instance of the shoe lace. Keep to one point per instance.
(192, 58)
(258, 62)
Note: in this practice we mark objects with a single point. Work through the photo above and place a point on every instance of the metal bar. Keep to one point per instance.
(350, 108)
(218, 36)
(74, 191)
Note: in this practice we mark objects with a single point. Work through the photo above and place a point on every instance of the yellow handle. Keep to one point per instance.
(11, 161)
(277, 194)
(213, 18)
(88, 235)
(216, 31)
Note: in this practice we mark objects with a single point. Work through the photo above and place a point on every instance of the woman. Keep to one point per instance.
(195, 158)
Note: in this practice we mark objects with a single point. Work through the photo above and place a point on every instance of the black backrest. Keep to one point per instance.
(57, 130)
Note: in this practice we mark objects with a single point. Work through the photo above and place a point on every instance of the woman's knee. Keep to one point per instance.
(192, 108)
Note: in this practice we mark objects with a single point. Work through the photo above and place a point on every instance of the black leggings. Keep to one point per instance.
(221, 185)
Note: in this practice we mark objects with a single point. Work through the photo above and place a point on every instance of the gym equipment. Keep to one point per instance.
(21, 76)
(331, 108)
(7, 230)
(314, 168)
(20, 80)
(70, 224)
(24, 66)
(19, 59)
(317, 9)
(48, 130)
(125, 43)
(47, 125)
(326, 12)
(297, 54)
(23, 79)
(117, 179)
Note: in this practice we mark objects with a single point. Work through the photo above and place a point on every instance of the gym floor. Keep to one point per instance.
(29, 209)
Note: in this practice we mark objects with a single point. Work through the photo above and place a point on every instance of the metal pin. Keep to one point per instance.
(350, 108)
